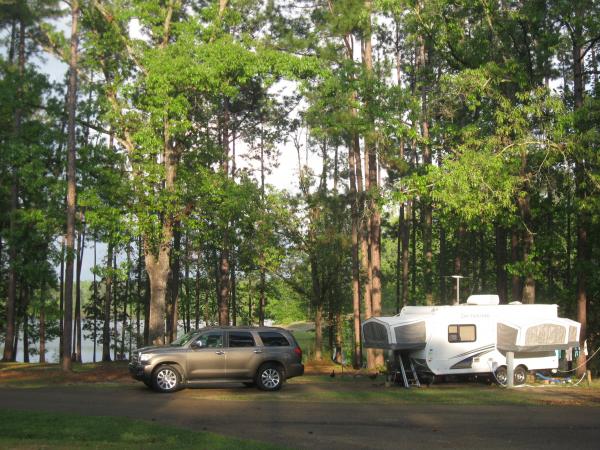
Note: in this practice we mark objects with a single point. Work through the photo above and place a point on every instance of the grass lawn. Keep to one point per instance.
(26, 430)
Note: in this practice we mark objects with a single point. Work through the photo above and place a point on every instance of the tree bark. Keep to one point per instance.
(197, 295)
(406, 213)
(174, 288)
(524, 201)
(458, 263)
(372, 189)
(514, 254)
(158, 274)
(71, 186)
(115, 317)
(500, 254)
(25, 306)
(224, 266)
(61, 297)
(95, 290)
(583, 220)
(422, 84)
(77, 329)
(354, 210)
(43, 323)
(157, 254)
(107, 302)
(14, 205)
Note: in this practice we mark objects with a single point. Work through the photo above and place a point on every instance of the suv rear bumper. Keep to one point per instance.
(295, 370)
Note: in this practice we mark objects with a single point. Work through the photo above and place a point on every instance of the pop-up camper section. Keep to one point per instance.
(526, 334)
(472, 338)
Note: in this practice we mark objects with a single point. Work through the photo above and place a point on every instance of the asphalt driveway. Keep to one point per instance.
(327, 425)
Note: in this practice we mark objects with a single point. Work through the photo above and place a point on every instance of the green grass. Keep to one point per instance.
(349, 390)
(25, 430)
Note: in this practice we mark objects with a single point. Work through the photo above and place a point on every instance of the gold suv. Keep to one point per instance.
(263, 357)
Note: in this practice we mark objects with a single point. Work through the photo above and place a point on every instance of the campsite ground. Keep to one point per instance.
(317, 411)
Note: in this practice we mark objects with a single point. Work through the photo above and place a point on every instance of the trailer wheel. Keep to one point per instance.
(520, 375)
(501, 375)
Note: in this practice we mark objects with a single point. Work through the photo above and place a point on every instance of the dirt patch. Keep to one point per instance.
(15, 373)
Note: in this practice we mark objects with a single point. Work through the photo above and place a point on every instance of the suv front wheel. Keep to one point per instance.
(166, 379)
(269, 377)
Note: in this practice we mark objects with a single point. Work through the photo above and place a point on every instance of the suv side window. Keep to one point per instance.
(241, 339)
(273, 339)
(212, 339)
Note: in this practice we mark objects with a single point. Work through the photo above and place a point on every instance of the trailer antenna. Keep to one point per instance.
(457, 278)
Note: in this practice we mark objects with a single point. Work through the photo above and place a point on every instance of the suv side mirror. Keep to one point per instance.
(197, 344)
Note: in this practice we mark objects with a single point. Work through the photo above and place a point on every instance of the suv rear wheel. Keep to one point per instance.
(166, 379)
(269, 377)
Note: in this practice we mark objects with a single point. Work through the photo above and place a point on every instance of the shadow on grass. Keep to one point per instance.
(67, 431)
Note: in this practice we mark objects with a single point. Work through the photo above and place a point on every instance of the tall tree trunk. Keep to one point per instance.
(157, 255)
(413, 253)
(14, 205)
(43, 323)
(524, 201)
(501, 287)
(186, 282)
(126, 303)
(233, 292)
(250, 321)
(224, 265)
(262, 299)
(107, 302)
(147, 301)
(406, 213)
(71, 186)
(77, 328)
(514, 255)
(458, 263)
(372, 187)
(423, 86)
(173, 309)
(197, 294)
(139, 302)
(115, 298)
(482, 261)
(583, 220)
(95, 293)
(442, 266)
(353, 151)
(61, 297)
(26, 324)
(158, 274)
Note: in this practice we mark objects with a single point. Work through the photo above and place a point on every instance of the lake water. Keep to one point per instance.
(87, 345)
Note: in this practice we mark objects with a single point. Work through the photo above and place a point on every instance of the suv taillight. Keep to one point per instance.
(298, 351)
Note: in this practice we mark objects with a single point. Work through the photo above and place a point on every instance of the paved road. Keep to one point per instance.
(329, 426)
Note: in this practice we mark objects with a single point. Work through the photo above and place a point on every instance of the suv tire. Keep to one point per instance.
(166, 379)
(269, 377)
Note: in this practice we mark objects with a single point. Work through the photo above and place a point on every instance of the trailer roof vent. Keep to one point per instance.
(483, 300)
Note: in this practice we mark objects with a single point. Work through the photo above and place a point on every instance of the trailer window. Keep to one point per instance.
(462, 333)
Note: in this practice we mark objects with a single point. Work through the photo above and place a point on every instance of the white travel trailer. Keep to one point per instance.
(472, 338)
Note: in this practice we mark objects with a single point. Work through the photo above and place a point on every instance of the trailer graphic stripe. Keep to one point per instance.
(475, 350)
(467, 363)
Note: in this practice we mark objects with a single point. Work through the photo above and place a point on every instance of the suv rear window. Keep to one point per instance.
(273, 339)
(241, 339)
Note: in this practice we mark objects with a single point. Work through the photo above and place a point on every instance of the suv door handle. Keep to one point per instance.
(220, 352)
(258, 351)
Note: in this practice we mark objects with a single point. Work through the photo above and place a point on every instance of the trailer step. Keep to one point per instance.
(405, 371)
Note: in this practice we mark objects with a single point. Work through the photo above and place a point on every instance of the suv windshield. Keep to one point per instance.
(183, 339)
